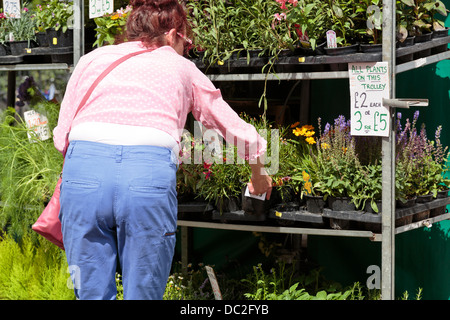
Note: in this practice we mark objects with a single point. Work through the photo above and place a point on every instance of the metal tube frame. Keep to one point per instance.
(388, 161)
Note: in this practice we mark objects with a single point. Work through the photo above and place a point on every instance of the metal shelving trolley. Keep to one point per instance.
(313, 68)
(305, 69)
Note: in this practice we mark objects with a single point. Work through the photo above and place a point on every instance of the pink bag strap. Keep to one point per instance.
(96, 82)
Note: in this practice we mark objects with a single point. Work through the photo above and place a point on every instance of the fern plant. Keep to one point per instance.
(29, 170)
(30, 272)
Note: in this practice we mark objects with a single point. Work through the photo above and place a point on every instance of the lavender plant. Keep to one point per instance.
(421, 163)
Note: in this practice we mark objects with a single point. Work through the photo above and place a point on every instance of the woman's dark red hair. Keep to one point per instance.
(150, 19)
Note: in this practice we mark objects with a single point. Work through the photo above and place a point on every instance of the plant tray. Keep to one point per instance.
(190, 207)
(301, 63)
(361, 216)
(240, 215)
(300, 215)
(36, 55)
(196, 211)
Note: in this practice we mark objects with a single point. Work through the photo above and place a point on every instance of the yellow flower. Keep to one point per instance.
(297, 131)
(309, 133)
(325, 145)
(308, 127)
(308, 186)
(220, 62)
(294, 125)
(115, 16)
(310, 140)
(305, 175)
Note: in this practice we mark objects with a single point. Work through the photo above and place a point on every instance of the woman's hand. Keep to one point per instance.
(260, 182)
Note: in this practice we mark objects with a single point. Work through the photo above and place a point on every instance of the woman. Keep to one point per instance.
(118, 197)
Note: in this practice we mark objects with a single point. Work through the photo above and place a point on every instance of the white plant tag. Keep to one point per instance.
(37, 123)
(254, 196)
(331, 39)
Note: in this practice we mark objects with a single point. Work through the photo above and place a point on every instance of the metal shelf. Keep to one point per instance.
(33, 66)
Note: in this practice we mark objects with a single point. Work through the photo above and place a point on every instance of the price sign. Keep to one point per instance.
(37, 123)
(98, 8)
(369, 84)
(12, 8)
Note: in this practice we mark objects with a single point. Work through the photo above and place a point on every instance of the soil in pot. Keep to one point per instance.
(314, 204)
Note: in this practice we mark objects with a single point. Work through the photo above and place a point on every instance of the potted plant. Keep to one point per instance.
(110, 28)
(21, 32)
(40, 16)
(311, 20)
(56, 18)
(434, 8)
(368, 22)
(4, 50)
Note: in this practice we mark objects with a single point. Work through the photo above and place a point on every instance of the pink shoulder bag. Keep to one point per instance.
(48, 224)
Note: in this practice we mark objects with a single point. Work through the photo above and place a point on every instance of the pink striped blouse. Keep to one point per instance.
(156, 89)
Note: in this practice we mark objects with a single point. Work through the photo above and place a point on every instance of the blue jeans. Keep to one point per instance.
(118, 205)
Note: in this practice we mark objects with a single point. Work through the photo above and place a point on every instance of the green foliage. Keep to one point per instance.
(30, 272)
(281, 283)
(23, 28)
(54, 14)
(111, 26)
(29, 170)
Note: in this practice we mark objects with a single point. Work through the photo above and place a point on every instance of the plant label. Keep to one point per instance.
(331, 39)
(38, 124)
(369, 84)
(255, 196)
(11, 8)
(214, 283)
(98, 8)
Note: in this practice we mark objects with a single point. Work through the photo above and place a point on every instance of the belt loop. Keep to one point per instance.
(70, 149)
(118, 154)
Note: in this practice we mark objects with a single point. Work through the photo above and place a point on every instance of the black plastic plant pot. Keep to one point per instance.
(409, 41)
(370, 48)
(42, 39)
(58, 38)
(342, 50)
(424, 198)
(368, 207)
(341, 204)
(18, 47)
(423, 37)
(440, 33)
(411, 202)
(4, 50)
(255, 206)
(314, 204)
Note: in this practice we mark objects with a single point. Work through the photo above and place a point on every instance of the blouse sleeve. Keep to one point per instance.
(214, 113)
